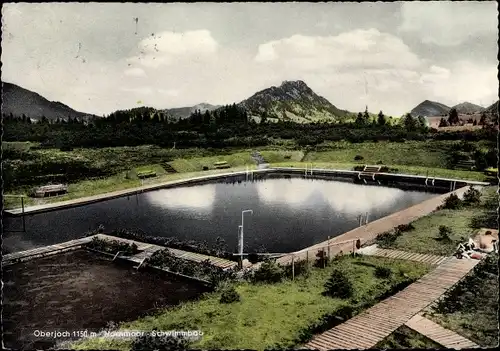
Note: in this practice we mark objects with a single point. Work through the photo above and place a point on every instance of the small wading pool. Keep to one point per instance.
(81, 290)
(289, 213)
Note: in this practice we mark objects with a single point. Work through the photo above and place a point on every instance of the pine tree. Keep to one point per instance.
(381, 119)
(453, 117)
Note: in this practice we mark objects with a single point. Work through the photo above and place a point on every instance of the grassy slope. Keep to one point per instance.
(423, 238)
(268, 314)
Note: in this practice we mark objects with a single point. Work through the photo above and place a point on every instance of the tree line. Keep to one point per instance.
(228, 126)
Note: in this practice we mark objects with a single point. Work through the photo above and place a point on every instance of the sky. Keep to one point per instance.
(98, 57)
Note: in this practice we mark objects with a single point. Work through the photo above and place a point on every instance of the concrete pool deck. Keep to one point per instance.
(192, 181)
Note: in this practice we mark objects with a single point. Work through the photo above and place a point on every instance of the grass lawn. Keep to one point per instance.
(270, 315)
(432, 154)
(425, 237)
(406, 338)
(195, 164)
(471, 308)
(415, 170)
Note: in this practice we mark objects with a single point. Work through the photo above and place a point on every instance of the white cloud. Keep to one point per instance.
(135, 72)
(355, 49)
(464, 81)
(448, 23)
(166, 47)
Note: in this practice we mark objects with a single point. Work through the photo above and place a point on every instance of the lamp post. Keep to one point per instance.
(242, 229)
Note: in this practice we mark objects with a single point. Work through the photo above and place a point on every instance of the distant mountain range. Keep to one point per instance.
(467, 107)
(184, 112)
(292, 101)
(433, 109)
(430, 108)
(19, 101)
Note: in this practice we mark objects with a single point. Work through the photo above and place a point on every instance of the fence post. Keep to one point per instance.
(24, 218)
(293, 267)
(307, 256)
(328, 246)
(324, 260)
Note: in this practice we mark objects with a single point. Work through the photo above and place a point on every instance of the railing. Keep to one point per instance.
(310, 253)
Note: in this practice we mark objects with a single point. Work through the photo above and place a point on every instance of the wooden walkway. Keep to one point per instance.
(373, 250)
(373, 325)
(146, 251)
(44, 251)
(369, 232)
(438, 334)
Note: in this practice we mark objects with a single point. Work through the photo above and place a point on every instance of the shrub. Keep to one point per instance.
(229, 295)
(358, 158)
(387, 239)
(339, 285)
(160, 343)
(445, 232)
(472, 196)
(405, 227)
(383, 272)
(345, 312)
(269, 272)
(322, 259)
(205, 168)
(452, 202)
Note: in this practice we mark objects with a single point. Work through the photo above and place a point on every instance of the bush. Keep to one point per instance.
(205, 168)
(358, 158)
(387, 239)
(383, 272)
(159, 343)
(339, 285)
(452, 202)
(472, 197)
(229, 295)
(269, 272)
(322, 259)
(445, 232)
(113, 246)
(405, 227)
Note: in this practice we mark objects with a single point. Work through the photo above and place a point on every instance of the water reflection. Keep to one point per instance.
(199, 198)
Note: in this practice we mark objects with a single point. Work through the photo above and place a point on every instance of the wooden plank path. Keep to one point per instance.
(438, 334)
(369, 232)
(44, 251)
(373, 325)
(146, 251)
(373, 250)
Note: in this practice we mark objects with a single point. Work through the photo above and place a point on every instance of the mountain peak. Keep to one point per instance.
(20, 101)
(293, 101)
(430, 108)
(467, 107)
